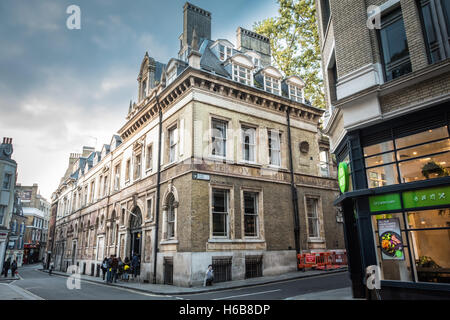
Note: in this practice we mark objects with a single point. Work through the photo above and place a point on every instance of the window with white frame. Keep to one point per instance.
(256, 62)
(117, 177)
(171, 76)
(242, 74)
(295, 93)
(173, 132)
(143, 89)
(219, 138)
(150, 208)
(171, 216)
(271, 84)
(2, 213)
(137, 166)
(105, 186)
(248, 143)
(225, 52)
(324, 168)
(220, 212)
(127, 170)
(92, 193)
(100, 182)
(313, 217)
(274, 147)
(149, 158)
(250, 214)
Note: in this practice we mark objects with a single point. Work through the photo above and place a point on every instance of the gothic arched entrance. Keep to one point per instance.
(136, 232)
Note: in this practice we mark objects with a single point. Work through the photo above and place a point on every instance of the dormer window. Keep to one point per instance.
(296, 93)
(242, 74)
(256, 62)
(225, 52)
(171, 76)
(272, 85)
(143, 89)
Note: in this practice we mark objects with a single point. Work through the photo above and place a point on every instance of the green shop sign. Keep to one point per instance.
(411, 199)
(385, 202)
(343, 176)
(426, 198)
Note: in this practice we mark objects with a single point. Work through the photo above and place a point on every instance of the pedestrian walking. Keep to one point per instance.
(114, 267)
(209, 276)
(13, 268)
(126, 268)
(135, 263)
(51, 267)
(109, 270)
(6, 266)
(104, 267)
(120, 268)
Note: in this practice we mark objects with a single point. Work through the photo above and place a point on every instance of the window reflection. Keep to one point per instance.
(421, 156)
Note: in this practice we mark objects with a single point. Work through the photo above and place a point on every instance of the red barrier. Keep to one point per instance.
(322, 260)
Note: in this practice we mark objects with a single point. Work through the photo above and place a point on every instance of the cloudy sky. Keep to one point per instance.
(61, 89)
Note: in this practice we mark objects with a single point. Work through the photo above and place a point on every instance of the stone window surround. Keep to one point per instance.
(260, 207)
(321, 238)
(228, 141)
(173, 239)
(230, 216)
(150, 218)
(256, 143)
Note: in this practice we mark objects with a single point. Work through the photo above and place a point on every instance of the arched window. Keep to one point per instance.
(170, 216)
(136, 219)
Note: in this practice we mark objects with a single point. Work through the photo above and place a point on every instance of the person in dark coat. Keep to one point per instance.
(6, 266)
(104, 267)
(135, 264)
(114, 267)
(13, 268)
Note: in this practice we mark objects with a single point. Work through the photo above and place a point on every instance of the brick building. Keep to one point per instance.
(387, 73)
(220, 161)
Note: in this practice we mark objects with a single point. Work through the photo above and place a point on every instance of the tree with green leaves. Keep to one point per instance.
(294, 42)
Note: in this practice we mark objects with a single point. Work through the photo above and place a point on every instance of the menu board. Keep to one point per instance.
(390, 239)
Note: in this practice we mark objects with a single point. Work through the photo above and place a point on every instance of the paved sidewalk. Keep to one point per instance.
(8, 291)
(175, 290)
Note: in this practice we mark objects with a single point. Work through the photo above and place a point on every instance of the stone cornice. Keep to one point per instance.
(147, 110)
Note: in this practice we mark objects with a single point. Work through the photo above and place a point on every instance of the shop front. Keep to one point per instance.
(395, 183)
(31, 253)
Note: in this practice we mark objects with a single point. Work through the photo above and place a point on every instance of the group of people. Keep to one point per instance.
(114, 268)
(8, 265)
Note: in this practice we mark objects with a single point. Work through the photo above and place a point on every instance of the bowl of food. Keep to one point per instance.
(391, 244)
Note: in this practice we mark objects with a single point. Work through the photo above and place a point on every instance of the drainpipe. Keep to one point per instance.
(158, 192)
(293, 188)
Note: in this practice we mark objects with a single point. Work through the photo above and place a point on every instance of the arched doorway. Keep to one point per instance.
(135, 232)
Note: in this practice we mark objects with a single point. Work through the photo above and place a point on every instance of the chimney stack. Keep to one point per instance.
(251, 41)
(198, 19)
(7, 140)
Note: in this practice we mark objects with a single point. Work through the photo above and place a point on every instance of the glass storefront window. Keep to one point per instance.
(396, 267)
(431, 250)
(378, 148)
(425, 168)
(424, 149)
(428, 232)
(380, 159)
(421, 156)
(382, 176)
(422, 137)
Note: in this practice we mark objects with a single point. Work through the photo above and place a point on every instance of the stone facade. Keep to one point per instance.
(103, 193)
